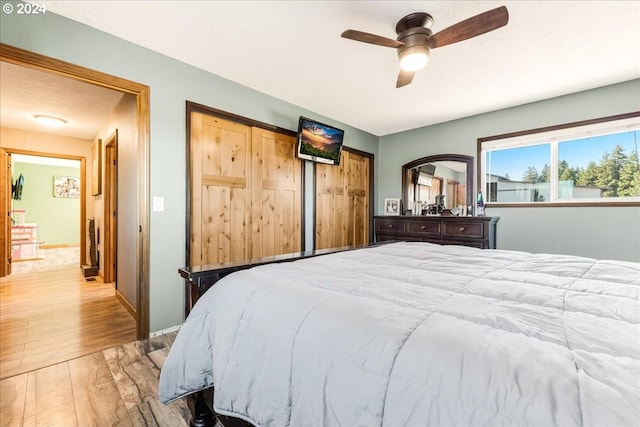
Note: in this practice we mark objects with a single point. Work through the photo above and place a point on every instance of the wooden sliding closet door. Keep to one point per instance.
(246, 192)
(343, 201)
(276, 194)
(220, 156)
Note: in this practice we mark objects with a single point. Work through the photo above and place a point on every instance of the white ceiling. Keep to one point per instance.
(293, 51)
(25, 92)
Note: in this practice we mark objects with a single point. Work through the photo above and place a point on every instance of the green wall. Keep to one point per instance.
(171, 84)
(58, 218)
(604, 232)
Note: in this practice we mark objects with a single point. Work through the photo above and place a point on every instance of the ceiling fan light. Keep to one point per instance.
(50, 120)
(414, 58)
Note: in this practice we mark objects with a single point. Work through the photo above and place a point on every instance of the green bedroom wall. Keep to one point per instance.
(58, 218)
(599, 232)
(171, 84)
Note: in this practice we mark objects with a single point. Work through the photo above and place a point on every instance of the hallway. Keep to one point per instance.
(53, 316)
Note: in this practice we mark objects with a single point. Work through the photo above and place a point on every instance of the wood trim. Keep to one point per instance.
(144, 162)
(550, 129)
(83, 192)
(60, 245)
(560, 127)
(5, 224)
(83, 212)
(25, 58)
(125, 303)
(562, 204)
(192, 106)
(43, 154)
(36, 61)
(109, 206)
(469, 160)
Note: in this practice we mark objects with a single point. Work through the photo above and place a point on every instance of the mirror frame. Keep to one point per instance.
(469, 160)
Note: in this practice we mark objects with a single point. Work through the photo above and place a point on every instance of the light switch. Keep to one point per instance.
(158, 204)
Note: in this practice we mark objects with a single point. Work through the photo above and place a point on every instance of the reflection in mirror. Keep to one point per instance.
(434, 183)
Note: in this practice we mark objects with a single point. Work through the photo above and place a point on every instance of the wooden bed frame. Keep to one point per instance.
(200, 279)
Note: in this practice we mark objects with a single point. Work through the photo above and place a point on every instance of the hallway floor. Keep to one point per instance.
(49, 259)
(54, 316)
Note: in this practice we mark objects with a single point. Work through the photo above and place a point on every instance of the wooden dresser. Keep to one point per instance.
(476, 231)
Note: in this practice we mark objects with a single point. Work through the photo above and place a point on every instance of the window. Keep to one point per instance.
(595, 161)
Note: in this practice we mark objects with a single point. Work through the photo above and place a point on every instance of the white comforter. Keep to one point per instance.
(415, 334)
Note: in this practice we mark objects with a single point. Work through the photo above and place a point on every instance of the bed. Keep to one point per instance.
(417, 334)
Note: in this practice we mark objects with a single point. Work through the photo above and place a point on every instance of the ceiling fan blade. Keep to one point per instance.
(472, 27)
(371, 38)
(404, 78)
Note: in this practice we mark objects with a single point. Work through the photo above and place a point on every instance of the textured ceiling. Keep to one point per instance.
(26, 92)
(293, 51)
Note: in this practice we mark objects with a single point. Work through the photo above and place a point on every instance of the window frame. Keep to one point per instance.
(551, 134)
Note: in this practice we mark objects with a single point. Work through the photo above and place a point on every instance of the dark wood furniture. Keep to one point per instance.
(476, 231)
(464, 163)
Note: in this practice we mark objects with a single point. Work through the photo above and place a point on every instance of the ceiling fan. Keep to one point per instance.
(415, 39)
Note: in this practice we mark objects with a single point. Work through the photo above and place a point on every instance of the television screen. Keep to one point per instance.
(319, 142)
(424, 175)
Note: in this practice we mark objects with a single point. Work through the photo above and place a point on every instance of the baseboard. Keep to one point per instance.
(126, 304)
(61, 245)
(165, 331)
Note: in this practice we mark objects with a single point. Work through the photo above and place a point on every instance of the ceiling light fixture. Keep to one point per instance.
(50, 120)
(413, 58)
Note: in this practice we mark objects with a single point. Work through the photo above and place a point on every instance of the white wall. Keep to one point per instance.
(600, 232)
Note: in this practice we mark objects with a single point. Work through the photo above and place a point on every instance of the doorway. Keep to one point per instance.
(47, 227)
(140, 212)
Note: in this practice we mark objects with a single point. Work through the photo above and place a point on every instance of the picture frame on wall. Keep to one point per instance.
(96, 168)
(392, 206)
(66, 187)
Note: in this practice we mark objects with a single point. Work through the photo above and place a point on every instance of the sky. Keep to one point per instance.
(578, 153)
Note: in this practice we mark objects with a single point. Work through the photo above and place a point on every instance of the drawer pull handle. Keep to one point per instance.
(423, 227)
(390, 225)
(461, 229)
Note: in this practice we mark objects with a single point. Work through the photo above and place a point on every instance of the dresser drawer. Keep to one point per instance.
(431, 228)
(390, 226)
(469, 229)
(479, 232)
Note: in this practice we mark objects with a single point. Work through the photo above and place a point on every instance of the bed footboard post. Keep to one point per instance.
(201, 415)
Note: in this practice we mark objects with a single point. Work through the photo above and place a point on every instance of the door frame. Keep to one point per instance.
(6, 195)
(47, 64)
(83, 191)
(110, 244)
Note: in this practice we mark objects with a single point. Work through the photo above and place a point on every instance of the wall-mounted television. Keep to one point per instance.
(424, 175)
(319, 142)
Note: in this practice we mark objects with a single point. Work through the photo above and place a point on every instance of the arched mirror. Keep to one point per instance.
(442, 180)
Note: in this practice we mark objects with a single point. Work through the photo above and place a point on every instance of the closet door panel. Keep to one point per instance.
(220, 190)
(331, 221)
(277, 194)
(343, 202)
(358, 170)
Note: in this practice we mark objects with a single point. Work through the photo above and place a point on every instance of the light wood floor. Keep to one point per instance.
(54, 316)
(114, 387)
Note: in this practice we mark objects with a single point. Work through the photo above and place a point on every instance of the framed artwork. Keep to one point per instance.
(392, 206)
(66, 187)
(96, 168)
